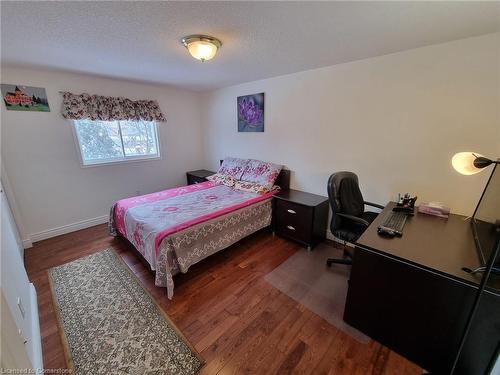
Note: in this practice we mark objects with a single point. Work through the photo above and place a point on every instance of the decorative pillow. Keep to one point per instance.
(223, 179)
(251, 186)
(233, 167)
(261, 172)
(254, 187)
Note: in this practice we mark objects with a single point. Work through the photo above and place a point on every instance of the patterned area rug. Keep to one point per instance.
(112, 325)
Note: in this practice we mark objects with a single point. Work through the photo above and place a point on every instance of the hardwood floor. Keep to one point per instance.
(237, 321)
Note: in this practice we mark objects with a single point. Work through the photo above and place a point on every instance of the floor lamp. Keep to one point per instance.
(469, 163)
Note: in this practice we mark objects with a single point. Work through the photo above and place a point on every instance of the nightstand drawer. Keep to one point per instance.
(292, 211)
(294, 220)
(299, 231)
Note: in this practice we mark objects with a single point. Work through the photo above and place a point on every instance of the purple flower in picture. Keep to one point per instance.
(251, 113)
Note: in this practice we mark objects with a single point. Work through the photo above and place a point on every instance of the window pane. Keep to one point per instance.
(99, 140)
(139, 138)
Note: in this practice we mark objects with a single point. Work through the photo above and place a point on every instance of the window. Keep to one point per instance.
(116, 141)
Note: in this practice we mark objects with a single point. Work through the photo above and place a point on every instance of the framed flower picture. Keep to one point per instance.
(251, 113)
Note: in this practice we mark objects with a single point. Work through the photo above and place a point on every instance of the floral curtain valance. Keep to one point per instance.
(108, 108)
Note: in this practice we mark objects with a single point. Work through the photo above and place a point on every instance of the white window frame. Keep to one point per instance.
(113, 161)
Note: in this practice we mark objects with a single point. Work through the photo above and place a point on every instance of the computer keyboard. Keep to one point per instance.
(393, 223)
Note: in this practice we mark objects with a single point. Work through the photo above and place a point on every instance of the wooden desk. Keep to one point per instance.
(411, 294)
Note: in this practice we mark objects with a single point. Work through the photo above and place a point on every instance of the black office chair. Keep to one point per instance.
(349, 218)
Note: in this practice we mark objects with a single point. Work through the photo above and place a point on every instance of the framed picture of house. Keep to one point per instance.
(251, 113)
(24, 98)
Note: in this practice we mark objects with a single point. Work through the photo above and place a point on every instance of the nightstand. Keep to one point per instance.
(301, 216)
(195, 177)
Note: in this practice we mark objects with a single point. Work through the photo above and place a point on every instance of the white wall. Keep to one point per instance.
(395, 120)
(41, 160)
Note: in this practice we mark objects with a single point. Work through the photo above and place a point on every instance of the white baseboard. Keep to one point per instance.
(27, 243)
(331, 237)
(68, 228)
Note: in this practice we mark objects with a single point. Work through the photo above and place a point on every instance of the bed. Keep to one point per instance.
(176, 228)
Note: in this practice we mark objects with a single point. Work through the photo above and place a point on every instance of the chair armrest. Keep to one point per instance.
(374, 205)
(355, 218)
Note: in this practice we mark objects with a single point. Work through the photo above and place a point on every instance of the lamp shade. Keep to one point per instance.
(463, 162)
(202, 47)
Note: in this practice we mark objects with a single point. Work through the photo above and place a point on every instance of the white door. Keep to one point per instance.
(17, 291)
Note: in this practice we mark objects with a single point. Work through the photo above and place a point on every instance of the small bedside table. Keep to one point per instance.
(301, 216)
(195, 177)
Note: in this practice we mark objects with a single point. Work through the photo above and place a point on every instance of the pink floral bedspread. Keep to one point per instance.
(146, 220)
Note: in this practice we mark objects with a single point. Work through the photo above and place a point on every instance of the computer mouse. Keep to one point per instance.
(386, 232)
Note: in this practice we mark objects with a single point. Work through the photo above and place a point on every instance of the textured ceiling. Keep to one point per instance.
(141, 40)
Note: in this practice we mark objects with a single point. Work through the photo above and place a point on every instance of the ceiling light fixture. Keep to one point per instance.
(201, 47)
